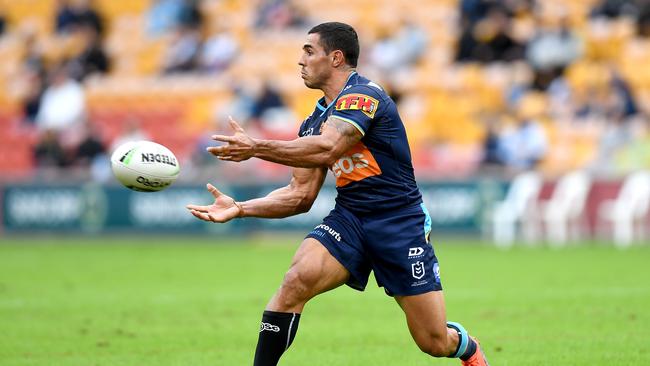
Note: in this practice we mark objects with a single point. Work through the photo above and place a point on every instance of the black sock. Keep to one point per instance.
(464, 340)
(471, 349)
(277, 331)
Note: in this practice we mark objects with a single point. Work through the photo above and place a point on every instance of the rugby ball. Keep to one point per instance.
(144, 166)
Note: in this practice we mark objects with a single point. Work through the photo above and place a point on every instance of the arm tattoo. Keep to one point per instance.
(347, 130)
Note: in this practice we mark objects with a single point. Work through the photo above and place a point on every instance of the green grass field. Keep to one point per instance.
(186, 301)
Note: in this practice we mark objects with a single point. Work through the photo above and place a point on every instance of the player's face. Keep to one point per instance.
(316, 65)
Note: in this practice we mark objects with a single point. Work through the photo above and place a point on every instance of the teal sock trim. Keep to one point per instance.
(463, 338)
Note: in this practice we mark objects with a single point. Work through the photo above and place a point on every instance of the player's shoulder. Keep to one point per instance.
(365, 87)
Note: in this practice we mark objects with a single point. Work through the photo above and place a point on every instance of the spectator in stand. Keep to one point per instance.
(385, 53)
(3, 22)
(643, 21)
(72, 14)
(33, 86)
(268, 98)
(269, 112)
(48, 151)
(163, 16)
(63, 104)
(612, 101)
(552, 49)
(92, 59)
(182, 54)
(617, 110)
(90, 154)
(466, 42)
(490, 39)
(623, 94)
(90, 147)
(472, 11)
(218, 52)
(399, 49)
(475, 10)
(279, 14)
(65, 17)
(31, 78)
(560, 96)
(616, 8)
(190, 14)
(492, 161)
(524, 145)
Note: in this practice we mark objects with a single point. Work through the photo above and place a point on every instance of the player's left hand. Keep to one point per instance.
(239, 146)
(222, 210)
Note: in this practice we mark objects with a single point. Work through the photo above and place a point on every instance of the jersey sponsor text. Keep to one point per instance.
(357, 164)
(358, 102)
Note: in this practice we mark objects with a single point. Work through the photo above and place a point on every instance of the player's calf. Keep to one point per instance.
(435, 346)
(312, 272)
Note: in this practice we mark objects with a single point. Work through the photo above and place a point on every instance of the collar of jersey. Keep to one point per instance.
(321, 101)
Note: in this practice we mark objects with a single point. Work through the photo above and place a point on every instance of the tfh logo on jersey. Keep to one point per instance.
(358, 102)
(418, 269)
(357, 164)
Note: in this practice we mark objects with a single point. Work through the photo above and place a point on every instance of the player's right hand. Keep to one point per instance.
(222, 210)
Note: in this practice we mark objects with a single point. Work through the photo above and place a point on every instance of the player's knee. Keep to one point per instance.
(294, 290)
(435, 346)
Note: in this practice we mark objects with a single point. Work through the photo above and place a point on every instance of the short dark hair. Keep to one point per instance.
(339, 36)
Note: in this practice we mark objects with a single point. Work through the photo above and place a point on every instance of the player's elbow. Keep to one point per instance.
(329, 152)
(305, 202)
(333, 156)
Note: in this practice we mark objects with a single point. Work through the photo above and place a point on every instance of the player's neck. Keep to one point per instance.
(336, 84)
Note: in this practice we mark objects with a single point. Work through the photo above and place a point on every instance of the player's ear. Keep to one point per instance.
(337, 58)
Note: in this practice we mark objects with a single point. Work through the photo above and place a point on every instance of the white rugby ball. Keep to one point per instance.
(145, 166)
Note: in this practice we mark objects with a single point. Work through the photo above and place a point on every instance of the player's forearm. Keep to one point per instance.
(305, 152)
(280, 203)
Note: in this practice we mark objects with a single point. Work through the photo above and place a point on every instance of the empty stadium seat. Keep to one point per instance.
(563, 214)
(513, 215)
(627, 213)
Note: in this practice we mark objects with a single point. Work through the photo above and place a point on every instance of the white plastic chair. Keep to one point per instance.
(511, 213)
(629, 207)
(563, 212)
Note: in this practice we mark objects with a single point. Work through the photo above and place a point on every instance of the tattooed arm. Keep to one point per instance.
(336, 138)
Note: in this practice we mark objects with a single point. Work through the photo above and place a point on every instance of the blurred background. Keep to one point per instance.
(529, 121)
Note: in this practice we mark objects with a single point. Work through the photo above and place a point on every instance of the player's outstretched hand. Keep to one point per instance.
(222, 210)
(239, 146)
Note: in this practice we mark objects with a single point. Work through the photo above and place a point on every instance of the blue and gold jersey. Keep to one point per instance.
(376, 174)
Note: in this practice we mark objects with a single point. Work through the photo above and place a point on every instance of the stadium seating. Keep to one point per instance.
(628, 212)
(563, 214)
(454, 96)
(514, 213)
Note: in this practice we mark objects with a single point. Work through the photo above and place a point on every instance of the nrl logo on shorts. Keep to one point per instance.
(417, 269)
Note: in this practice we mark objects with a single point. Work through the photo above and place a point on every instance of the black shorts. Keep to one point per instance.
(395, 245)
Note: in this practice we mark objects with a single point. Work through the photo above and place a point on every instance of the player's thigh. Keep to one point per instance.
(403, 260)
(425, 315)
(315, 270)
